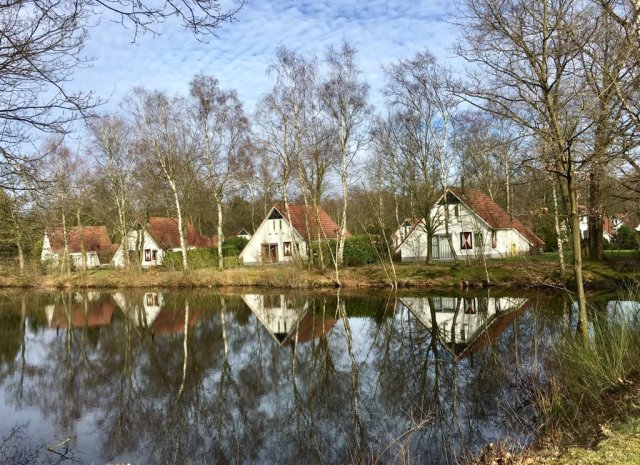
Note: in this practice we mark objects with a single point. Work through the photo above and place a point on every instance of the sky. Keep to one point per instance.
(383, 31)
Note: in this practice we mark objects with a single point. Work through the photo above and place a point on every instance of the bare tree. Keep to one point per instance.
(344, 97)
(223, 128)
(111, 146)
(167, 144)
(527, 61)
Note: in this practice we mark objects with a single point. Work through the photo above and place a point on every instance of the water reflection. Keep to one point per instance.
(162, 377)
(465, 324)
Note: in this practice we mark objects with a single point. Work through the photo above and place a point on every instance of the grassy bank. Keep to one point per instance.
(523, 272)
(588, 410)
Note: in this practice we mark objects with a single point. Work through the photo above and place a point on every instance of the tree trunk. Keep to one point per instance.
(220, 257)
(594, 217)
(577, 260)
(558, 232)
(83, 251)
(183, 244)
(65, 265)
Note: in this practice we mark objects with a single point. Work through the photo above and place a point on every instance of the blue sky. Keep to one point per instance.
(382, 31)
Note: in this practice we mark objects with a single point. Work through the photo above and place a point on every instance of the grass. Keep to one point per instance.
(520, 271)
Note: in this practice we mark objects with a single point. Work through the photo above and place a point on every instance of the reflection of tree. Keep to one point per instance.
(379, 385)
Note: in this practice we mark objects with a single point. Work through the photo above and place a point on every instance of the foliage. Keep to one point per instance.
(232, 247)
(587, 379)
(358, 250)
(626, 238)
(198, 258)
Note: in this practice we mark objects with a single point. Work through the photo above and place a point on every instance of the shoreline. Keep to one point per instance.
(608, 275)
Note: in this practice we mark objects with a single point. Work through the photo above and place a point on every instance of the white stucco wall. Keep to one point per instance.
(148, 244)
(507, 241)
(272, 232)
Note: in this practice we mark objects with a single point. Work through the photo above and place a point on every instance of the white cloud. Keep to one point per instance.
(383, 31)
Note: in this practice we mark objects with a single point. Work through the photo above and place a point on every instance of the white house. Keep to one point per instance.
(403, 231)
(608, 228)
(465, 324)
(159, 236)
(477, 227)
(244, 234)
(93, 239)
(275, 238)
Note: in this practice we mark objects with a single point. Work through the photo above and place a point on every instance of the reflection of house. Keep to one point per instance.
(93, 239)
(80, 312)
(465, 324)
(275, 238)
(159, 236)
(143, 315)
(169, 321)
(477, 226)
(287, 320)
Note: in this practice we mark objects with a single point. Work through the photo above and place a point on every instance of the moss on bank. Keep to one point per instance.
(521, 272)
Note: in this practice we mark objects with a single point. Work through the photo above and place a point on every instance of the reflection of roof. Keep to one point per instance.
(171, 321)
(496, 326)
(327, 227)
(95, 238)
(491, 213)
(98, 314)
(166, 234)
(310, 327)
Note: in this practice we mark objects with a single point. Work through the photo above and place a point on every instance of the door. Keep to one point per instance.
(269, 253)
(435, 247)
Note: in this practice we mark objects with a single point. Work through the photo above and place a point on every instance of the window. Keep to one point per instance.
(494, 239)
(456, 211)
(466, 241)
(154, 255)
(147, 255)
(287, 248)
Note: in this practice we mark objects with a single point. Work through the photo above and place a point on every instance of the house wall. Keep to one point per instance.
(273, 232)
(148, 244)
(48, 255)
(462, 220)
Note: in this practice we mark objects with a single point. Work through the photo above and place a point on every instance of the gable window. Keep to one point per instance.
(494, 239)
(154, 255)
(466, 241)
(286, 246)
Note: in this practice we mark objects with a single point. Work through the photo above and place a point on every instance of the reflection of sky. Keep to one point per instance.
(388, 353)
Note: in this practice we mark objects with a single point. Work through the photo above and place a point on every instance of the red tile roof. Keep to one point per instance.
(98, 314)
(165, 232)
(327, 228)
(493, 214)
(96, 239)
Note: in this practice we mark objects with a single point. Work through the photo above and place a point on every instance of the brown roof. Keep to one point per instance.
(165, 232)
(96, 239)
(171, 321)
(327, 228)
(98, 314)
(491, 213)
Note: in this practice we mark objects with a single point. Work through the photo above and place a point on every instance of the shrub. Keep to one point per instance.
(232, 247)
(197, 258)
(358, 250)
(626, 238)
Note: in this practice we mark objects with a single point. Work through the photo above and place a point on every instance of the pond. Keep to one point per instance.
(156, 377)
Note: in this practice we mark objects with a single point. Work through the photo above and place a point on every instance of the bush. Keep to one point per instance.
(197, 258)
(626, 238)
(358, 250)
(232, 247)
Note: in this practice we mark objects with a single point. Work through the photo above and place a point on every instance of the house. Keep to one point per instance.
(403, 231)
(608, 228)
(275, 238)
(243, 233)
(159, 236)
(465, 325)
(477, 227)
(93, 239)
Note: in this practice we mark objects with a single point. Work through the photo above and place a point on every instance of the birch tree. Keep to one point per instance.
(166, 143)
(344, 96)
(223, 130)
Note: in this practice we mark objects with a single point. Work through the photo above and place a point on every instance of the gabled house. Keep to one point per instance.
(275, 238)
(159, 236)
(477, 226)
(243, 233)
(93, 239)
(403, 231)
(608, 228)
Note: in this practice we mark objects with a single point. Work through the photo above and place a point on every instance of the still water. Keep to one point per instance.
(266, 377)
